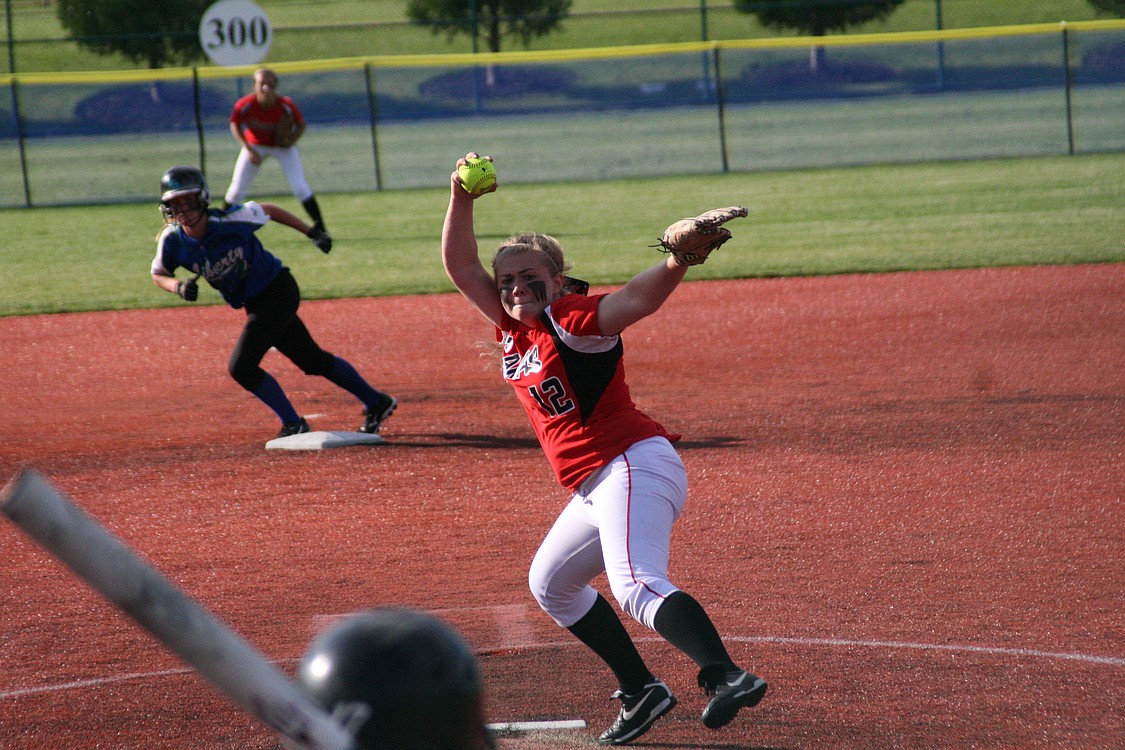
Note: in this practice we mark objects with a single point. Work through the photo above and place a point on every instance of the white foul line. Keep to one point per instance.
(95, 682)
(1112, 661)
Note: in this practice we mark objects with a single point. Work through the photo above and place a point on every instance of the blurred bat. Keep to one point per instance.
(237, 669)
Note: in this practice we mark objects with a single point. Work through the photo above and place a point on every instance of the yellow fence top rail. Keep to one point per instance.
(550, 56)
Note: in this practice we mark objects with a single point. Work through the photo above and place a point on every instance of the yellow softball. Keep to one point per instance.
(477, 176)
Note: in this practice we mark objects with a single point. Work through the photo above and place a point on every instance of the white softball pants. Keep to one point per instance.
(620, 522)
(245, 171)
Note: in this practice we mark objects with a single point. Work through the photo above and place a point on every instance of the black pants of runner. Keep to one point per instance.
(272, 321)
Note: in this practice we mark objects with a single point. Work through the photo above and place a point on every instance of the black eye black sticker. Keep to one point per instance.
(539, 289)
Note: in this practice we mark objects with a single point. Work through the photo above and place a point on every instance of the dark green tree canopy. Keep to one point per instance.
(1110, 7)
(816, 17)
(144, 31)
(492, 19)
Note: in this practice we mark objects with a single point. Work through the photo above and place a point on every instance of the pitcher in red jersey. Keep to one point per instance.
(562, 353)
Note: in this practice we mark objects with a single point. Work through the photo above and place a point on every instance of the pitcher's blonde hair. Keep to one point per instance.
(542, 243)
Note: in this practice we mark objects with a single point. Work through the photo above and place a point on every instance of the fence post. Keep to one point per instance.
(373, 117)
(11, 37)
(1068, 82)
(720, 100)
(706, 82)
(940, 47)
(21, 137)
(198, 119)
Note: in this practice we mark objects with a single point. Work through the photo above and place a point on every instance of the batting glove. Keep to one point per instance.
(189, 290)
(320, 238)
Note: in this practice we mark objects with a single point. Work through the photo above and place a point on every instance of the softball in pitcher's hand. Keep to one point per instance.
(477, 175)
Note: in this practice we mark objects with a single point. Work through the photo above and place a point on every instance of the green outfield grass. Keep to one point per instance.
(1047, 210)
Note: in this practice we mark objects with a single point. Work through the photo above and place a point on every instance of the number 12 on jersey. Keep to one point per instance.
(551, 395)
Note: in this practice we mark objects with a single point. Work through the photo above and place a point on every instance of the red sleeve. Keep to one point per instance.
(292, 108)
(239, 112)
(578, 314)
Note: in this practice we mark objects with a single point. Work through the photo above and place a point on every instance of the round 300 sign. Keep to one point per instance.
(235, 32)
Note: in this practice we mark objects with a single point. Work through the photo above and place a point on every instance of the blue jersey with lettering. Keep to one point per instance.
(230, 257)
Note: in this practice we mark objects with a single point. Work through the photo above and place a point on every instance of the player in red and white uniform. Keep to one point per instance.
(562, 352)
(254, 124)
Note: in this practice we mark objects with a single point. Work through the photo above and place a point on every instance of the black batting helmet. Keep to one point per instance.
(398, 679)
(179, 181)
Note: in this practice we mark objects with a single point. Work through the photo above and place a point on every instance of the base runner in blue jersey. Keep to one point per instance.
(222, 247)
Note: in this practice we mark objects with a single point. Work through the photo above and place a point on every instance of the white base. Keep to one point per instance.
(537, 726)
(321, 439)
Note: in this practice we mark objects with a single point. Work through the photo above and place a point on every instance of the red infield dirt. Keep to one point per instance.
(905, 510)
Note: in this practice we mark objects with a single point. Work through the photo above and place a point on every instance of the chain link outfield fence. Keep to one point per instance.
(401, 121)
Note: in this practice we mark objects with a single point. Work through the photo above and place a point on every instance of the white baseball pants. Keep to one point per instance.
(619, 521)
(245, 171)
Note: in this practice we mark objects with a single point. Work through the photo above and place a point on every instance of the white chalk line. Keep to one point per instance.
(1112, 661)
(93, 682)
(537, 726)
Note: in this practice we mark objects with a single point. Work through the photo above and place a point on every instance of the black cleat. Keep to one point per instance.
(730, 689)
(374, 416)
(294, 428)
(638, 713)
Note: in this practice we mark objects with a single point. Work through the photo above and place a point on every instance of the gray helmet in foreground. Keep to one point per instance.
(398, 679)
(179, 181)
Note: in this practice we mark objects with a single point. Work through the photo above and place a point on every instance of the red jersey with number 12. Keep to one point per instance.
(571, 381)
